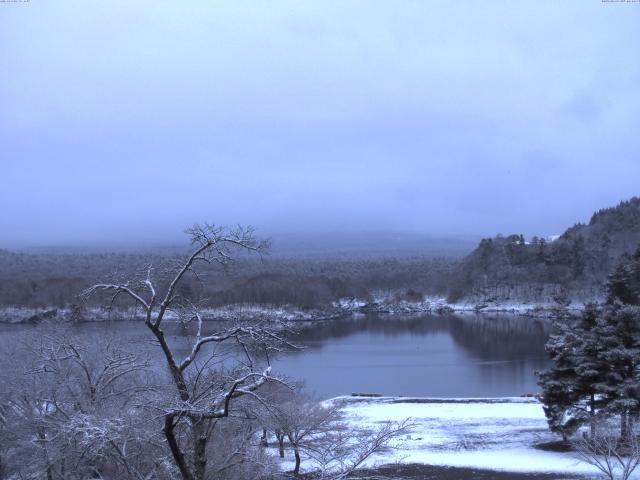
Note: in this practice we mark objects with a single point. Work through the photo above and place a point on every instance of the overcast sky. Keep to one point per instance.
(130, 120)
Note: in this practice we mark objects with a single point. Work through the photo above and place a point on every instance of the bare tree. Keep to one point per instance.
(62, 405)
(202, 395)
(301, 420)
(614, 455)
(340, 452)
(317, 432)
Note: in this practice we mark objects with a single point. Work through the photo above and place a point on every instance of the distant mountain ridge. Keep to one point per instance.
(577, 263)
(317, 270)
(351, 245)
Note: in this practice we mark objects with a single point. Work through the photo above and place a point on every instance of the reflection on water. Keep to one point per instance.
(427, 355)
(440, 356)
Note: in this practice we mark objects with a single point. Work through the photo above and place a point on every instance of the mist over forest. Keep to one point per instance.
(315, 272)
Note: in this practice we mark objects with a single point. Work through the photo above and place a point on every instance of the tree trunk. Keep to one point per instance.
(263, 440)
(176, 451)
(176, 374)
(280, 438)
(43, 441)
(199, 449)
(296, 453)
(592, 415)
(624, 424)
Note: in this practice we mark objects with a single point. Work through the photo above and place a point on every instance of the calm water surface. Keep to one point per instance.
(427, 355)
(441, 356)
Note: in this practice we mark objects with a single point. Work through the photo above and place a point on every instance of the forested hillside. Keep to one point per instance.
(502, 269)
(577, 263)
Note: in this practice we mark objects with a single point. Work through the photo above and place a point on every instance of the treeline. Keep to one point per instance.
(500, 269)
(54, 280)
(48, 279)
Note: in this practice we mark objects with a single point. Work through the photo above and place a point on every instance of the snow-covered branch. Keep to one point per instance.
(118, 289)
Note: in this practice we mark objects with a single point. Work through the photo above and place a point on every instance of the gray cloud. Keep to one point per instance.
(128, 121)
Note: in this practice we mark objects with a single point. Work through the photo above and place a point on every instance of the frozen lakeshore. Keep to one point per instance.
(494, 434)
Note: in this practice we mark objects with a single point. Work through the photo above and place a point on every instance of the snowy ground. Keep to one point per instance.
(494, 434)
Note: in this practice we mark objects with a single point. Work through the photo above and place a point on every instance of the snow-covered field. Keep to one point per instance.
(495, 434)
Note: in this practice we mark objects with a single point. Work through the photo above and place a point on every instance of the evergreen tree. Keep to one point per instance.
(591, 369)
(578, 256)
(541, 254)
(619, 334)
(624, 281)
(596, 358)
(559, 383)
(571, 388)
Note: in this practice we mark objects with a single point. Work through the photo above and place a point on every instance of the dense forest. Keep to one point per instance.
(500, 269)
(575, 264)
(50, 280)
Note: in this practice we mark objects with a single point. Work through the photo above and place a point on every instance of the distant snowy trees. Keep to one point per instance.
(503, 268)
(624, 282)
(578, 261)
(39, 281)
(596, 359)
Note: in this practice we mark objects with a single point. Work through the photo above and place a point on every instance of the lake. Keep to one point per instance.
(409, 355)
(427, 355)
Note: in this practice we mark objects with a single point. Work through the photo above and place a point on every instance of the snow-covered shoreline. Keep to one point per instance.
(484, 433)
(342, 308)
(441, 306)
(26, 315)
